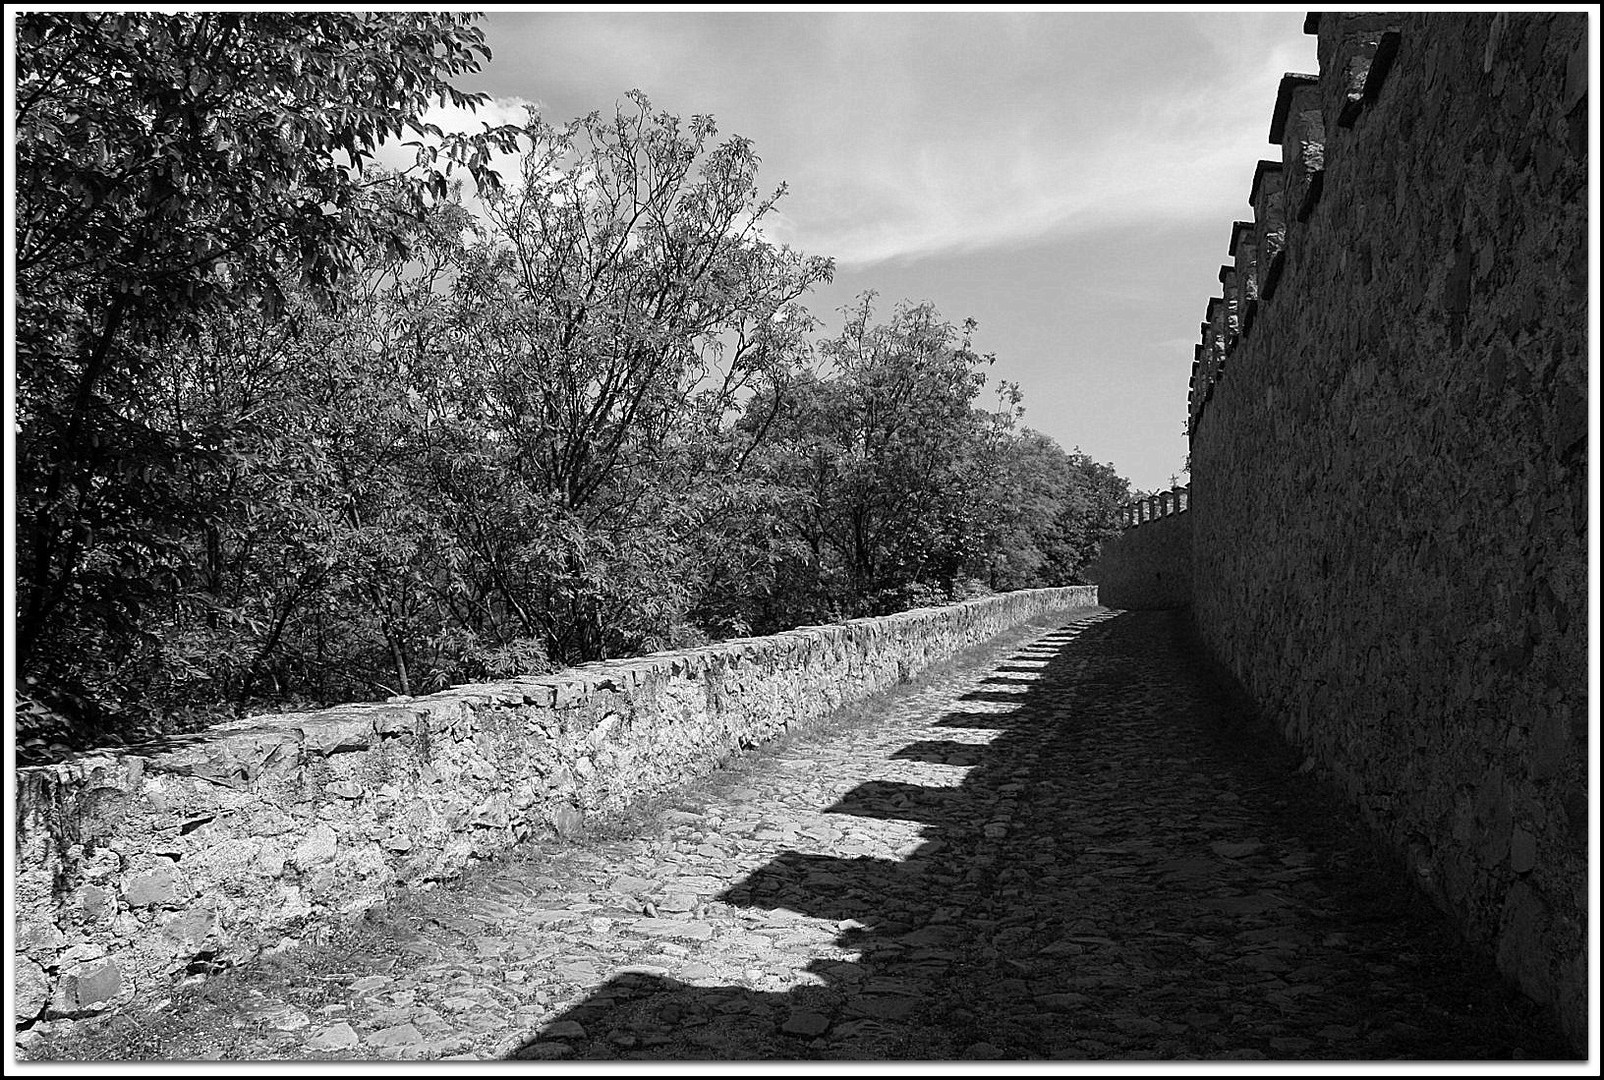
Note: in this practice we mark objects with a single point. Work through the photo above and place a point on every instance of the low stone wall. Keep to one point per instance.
(135, 867)
(1147, 566)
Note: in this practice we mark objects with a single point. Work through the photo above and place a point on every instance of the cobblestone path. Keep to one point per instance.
(1065, 849)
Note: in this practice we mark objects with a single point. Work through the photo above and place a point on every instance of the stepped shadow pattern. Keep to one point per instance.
(1121, 867)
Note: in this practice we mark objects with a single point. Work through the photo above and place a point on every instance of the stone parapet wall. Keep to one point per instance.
(1389, 460)
(1147, 508)
(1149, 566)
(134, 867)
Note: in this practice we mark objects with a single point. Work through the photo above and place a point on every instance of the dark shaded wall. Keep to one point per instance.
(1146, 566)
(1389, 460)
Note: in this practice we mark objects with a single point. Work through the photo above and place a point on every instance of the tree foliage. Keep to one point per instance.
(292, 430)
(621, 300)
(172, 168)
(909, 490)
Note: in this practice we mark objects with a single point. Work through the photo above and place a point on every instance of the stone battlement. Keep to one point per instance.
(1161, 504)
(1356, 54)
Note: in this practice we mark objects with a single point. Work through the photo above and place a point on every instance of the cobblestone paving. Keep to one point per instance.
(1065, 850)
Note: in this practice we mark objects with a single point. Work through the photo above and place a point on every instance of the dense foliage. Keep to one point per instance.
(289, 429)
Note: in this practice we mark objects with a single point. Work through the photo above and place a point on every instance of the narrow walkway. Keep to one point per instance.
(1067, 849)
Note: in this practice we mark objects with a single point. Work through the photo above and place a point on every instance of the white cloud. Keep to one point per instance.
(903, 135)
(1019, 191)
(1109, 147)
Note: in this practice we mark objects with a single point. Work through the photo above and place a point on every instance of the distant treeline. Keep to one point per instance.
(291, 427)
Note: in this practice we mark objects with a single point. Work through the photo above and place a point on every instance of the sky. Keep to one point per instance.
(1068, 179)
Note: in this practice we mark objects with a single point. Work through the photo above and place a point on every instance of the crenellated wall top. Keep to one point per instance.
(1355, 53)
(1157, 505)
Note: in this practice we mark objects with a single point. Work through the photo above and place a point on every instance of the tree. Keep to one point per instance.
(1086, 518)
(171, 167)
(882, 443)
(621, 301)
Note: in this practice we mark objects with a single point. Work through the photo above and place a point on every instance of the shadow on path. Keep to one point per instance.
(1129, 868)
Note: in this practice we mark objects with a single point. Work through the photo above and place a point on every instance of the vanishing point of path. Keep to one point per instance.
(1068, 845)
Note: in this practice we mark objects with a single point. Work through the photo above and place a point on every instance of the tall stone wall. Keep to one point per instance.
(1147, 566)
(1389, 424)
(135, 867)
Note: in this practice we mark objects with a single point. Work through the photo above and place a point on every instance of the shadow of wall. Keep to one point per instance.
(1085, 891)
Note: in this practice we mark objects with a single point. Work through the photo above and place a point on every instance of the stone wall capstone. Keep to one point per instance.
(1390, 467)
(135, 867)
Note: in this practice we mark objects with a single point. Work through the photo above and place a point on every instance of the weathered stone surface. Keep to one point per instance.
(332, 732)
(37, 937)
(1522, 851)
(369, 983)
(805, 1024)
(94, 903)
(159, 883)
(674, 928)
(271, 825)
(190, 928)
(567, 821)
(87, 988)
(547, 1051)
(30, 988)
(269, 861)
(81, 952)
(319, 847)
(1389, 478)
(395, 1035)
(334, 1037)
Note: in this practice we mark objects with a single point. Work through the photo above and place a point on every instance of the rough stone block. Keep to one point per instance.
(319, 847)
(328, 734)
(399, 721)
(190, 928)
(1522, 851)
(94, 903)
(159, 883)
(275, 749)
(335, 1037)
(100, 811)
(30, 989)
(87, 988)
(269, 861)
(39, 938)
